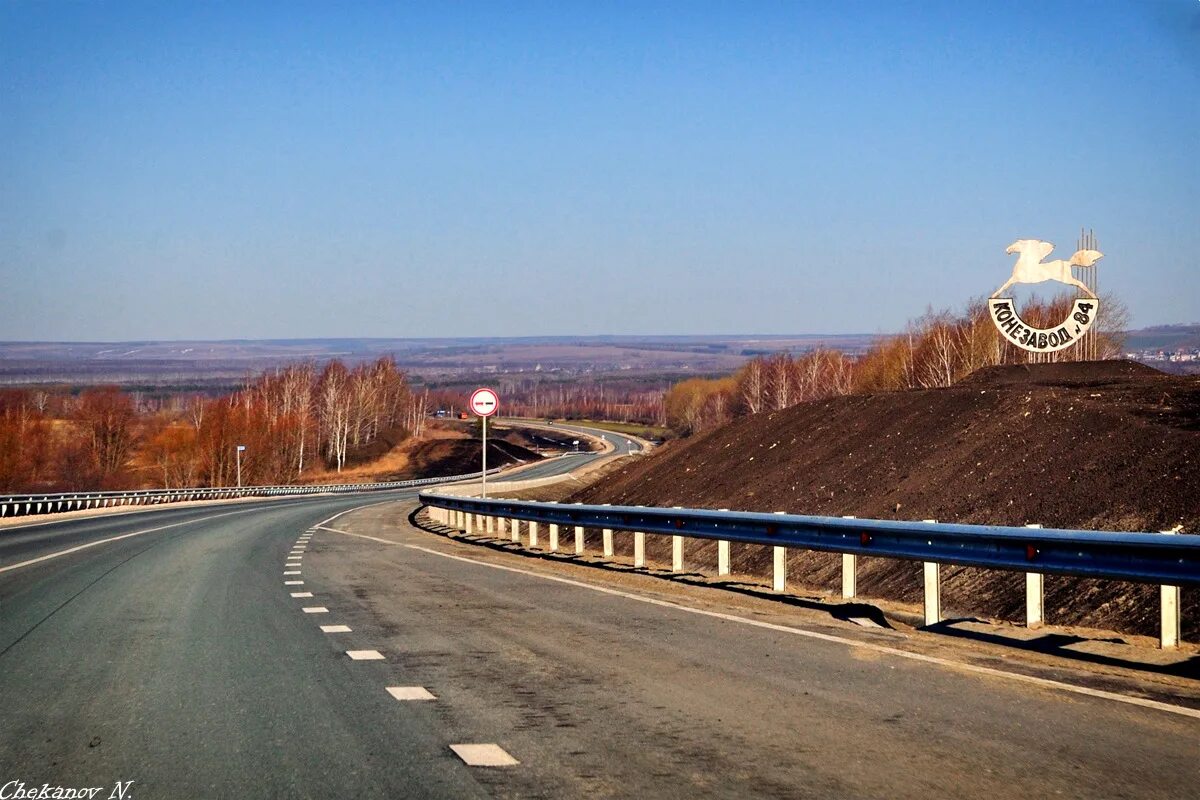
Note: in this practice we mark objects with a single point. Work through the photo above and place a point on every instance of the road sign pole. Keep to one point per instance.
(484, 402)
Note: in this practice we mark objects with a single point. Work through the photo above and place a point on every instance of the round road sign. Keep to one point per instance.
(484, 402)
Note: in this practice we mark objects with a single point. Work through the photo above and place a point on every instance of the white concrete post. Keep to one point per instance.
(553, 537)
(514, 525)
(849, 572)
(606, 535)
(578, 540)
(779, 573)
(533, 534)
(639, 549)
(470, 523)
(1035, 607)
(677, 550)
(779, 565)
(490, 521)
(722, 553)
(500, 527)
(1168, 638)
(933, 589)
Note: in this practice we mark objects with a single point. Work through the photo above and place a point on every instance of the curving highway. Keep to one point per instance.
(178, 648)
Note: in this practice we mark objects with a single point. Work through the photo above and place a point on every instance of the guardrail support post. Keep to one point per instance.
(933, 589)
(1035, 606)
(1168, 637)
(515, 527)
(533, 534)
(578, 540)
(490, 525)
(639, 549)
(470, 524)
(722, 553)
(677, 550)
(933, 593)
(607, 535)
(553, 537)
(849, 573)
(779, 566)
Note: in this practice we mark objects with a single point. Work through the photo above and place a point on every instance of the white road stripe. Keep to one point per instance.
(77, 548)
(291, 572)
(315, 610)
(335, 628)
(365, 655)
(293, 583)
(301, 594)
(483, 755)
(1045, 683)
(410, 693)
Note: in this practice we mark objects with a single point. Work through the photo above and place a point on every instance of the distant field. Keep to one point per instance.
(221, 365)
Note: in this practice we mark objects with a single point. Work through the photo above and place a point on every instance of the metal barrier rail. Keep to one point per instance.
(1154, 558)
(33, 504)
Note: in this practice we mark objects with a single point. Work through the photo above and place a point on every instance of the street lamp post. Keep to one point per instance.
(240, 448)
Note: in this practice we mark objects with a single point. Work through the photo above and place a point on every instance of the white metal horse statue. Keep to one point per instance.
(1031, 269)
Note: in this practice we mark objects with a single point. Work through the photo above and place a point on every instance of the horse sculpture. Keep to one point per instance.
(1031, 269)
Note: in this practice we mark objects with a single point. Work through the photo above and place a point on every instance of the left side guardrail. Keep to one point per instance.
(1168, 560)
(25, 505)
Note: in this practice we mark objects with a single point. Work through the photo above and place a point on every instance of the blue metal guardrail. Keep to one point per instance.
(1140, 557)
(33, 504)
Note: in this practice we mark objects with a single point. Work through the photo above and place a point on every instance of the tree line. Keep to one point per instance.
(938, 349)
(294, 421)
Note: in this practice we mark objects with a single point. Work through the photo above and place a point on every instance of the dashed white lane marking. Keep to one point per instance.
(98, 542)
(315, 610)
(294, 563)
(293, 583)
(365, 655)
(301, 594)
(483, 755)
(410, 693)
(335, 628)
(1045, 683)
(291, 572)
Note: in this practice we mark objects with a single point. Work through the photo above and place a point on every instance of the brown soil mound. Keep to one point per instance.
(441, 457)
(1096, 446)
(1086, 373)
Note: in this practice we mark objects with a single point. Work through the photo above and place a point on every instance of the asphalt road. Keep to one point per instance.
(622, 446)
(177, 658)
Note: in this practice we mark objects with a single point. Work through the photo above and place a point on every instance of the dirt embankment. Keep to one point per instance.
(1110, 445)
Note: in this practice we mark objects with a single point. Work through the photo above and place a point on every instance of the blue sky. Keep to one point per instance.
(175, 170)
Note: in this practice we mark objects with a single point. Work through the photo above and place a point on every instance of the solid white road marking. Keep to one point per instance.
(335, 628)
(293, 583)
(410, 693)
(315, 610)
(365, 655)
(1045, 683)
(483, 755)
(291, 572)
(301, 594)
(76, 549)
